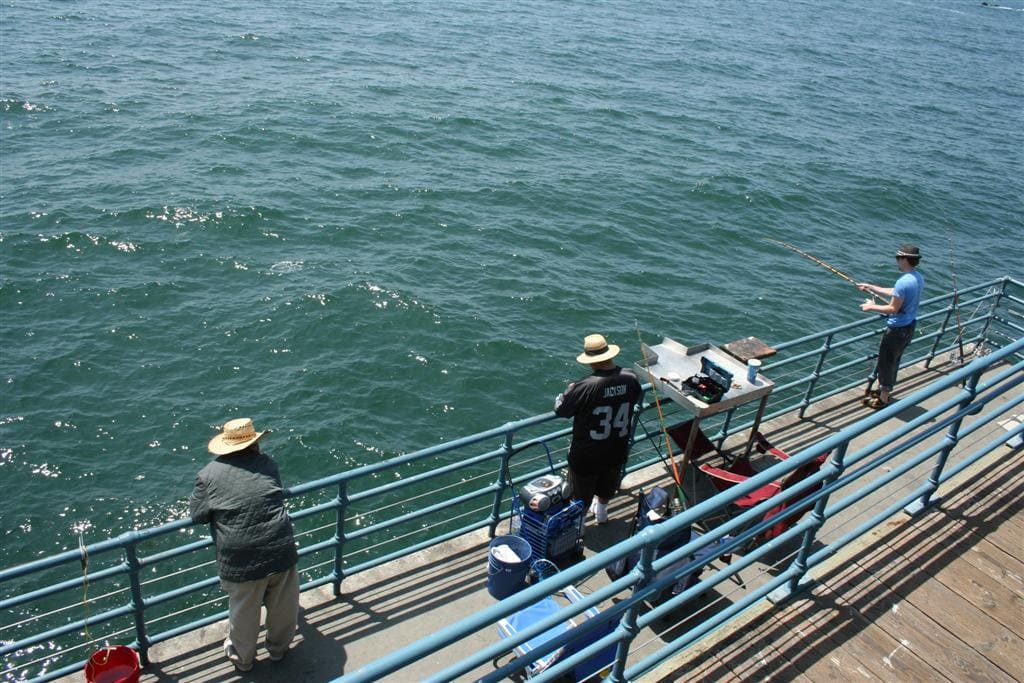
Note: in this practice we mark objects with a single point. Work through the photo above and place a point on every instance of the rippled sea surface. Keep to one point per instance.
(380, 225)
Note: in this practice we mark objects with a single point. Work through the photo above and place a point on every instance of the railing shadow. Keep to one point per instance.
(981, 504)
(318, 655)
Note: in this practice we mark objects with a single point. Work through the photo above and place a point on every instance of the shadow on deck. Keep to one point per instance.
(940, 597)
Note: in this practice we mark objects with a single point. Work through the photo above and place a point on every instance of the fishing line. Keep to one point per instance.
(85, 584)
(956, 299)
(832, 269)
(661, 422)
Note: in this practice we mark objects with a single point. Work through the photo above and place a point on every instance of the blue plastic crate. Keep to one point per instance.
(553, 534)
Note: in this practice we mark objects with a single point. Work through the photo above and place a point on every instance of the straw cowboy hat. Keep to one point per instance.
(596, 350)
(237, 435)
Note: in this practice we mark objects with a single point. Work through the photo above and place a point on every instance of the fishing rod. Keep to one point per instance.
(956, 300)
(832, 269)
(661, 421)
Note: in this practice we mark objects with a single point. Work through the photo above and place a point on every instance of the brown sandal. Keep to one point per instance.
(875, 403)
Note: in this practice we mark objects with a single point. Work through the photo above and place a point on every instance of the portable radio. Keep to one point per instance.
(543, 493)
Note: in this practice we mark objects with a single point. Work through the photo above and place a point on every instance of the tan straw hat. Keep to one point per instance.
(596, 350)
(237, 435)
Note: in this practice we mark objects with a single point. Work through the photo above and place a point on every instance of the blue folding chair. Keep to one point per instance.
(655, 508)
(596, 664)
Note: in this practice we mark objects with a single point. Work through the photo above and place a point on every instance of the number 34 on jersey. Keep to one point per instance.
(606, 424)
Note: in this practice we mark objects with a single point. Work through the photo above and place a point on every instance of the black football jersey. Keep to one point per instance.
(601, 406)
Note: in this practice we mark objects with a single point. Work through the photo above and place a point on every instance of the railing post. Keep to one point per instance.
(815, 375)
(138, 607)
(930, 486)
(628, 623)
(504, 476)
(799, 565)
(339, 536)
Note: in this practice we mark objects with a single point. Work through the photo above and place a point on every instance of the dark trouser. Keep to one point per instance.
(890, 351)
(584, 486)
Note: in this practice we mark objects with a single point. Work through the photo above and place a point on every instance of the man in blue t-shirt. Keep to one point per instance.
(901, 317)
(601, 406)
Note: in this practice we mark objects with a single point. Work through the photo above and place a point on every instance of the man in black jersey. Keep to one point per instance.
(601, 406)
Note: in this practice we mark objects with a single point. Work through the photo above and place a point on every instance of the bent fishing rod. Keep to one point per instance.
(832, 269)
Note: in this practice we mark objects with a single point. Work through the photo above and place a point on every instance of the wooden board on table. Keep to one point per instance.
(747, 348)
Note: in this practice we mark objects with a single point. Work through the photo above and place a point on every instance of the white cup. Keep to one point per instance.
(753, 365)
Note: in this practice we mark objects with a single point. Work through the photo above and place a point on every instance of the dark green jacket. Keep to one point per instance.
(240, 496)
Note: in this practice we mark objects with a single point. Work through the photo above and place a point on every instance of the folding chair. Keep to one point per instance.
(654, 508)
(547, 607)
(741, 470)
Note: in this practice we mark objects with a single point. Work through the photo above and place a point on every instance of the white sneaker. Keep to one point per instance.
(600, 512)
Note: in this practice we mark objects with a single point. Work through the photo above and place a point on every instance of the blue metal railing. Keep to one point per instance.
(158, 585)
(845, 467)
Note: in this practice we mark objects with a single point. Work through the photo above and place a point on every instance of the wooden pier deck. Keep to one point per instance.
(939, 597)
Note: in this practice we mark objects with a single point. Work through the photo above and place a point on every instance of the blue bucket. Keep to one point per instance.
(505, 578)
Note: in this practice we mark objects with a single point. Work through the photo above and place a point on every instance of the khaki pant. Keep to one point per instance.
(280, 594)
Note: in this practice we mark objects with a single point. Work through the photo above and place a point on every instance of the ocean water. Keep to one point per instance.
(375, 226)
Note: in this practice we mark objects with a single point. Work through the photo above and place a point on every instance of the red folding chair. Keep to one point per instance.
(740, 470)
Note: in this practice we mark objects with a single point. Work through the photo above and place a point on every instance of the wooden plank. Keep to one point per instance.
(860, 639)
(703, 661)
(782, 647)
(819, 656)
(965, 511)
(784, 643)
(837, 638)
(1005, 533)
(995, 512)
(703, 665)
(940, 547)
(977, 614)
(996, 493)
(1004, 568)
(750, 651)
(988, 594)
(701, 675)
(915, 632)
(981, 626)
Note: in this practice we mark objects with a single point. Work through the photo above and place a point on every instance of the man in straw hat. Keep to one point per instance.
(239, 494)
(601, 406)
(901, 318)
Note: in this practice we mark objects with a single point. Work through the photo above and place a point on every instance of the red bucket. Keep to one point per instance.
(118, 664)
